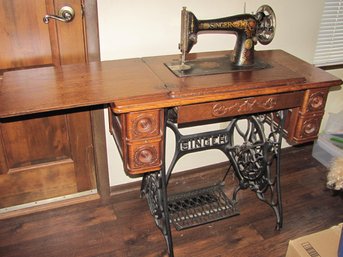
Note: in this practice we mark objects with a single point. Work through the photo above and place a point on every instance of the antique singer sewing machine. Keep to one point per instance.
(249, 29)
(261, 95)
(253, 160)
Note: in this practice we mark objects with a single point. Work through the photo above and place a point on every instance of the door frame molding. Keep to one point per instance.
(102, 192)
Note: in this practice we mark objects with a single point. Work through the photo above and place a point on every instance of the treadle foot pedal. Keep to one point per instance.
(201, 206)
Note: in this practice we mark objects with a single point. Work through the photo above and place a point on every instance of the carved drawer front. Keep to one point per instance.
(142, 140)
(305, 121)
(143, 124)
(229, 108)
(144, 156)
(307, 128)
(315, 100)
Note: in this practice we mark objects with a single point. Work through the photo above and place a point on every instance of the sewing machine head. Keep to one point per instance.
(249, 29)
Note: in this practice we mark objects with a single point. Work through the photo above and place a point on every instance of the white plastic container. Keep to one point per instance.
(334, 124)
(325, 151)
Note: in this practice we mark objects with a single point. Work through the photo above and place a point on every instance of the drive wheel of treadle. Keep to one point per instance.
(266, 25)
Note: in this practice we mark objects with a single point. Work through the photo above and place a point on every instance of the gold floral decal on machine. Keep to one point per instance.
(247, 25)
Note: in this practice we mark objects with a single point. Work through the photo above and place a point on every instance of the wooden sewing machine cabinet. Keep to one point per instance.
(144, 97)
(137, 123)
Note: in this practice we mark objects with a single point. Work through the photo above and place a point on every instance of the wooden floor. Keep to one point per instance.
(125, 228)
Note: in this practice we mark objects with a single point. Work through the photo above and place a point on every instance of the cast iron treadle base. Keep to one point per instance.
(199, 207)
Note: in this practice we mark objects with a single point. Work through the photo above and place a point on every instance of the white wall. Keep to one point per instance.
(139, 28)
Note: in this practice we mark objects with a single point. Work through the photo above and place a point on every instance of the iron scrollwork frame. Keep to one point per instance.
(255, 158)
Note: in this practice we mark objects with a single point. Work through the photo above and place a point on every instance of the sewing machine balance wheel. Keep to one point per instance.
(266, 24)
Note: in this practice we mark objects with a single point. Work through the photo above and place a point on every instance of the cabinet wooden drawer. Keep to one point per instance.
(143, 124)
(304, 122)
(230, 108)
(144, 156)
(139, 137)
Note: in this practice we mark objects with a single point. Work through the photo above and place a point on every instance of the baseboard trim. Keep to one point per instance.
(48, 204)
(188, 174)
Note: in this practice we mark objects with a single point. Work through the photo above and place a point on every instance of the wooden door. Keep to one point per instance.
(51, 154)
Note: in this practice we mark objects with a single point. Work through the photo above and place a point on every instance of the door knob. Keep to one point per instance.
(65, 14)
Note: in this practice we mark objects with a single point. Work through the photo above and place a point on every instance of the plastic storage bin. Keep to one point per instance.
(334, 124)
(325, 151)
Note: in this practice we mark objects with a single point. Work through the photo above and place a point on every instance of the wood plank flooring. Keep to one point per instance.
(125, 228)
